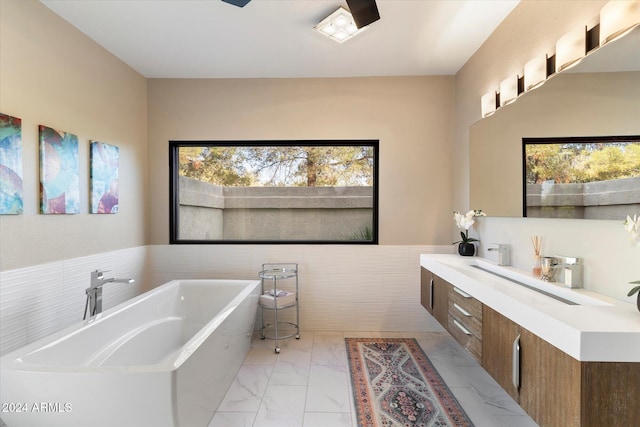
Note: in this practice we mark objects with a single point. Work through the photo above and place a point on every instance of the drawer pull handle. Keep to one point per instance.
(462, 328)
(463, 293)
(431, 293)
(461, 310)
(515, 360)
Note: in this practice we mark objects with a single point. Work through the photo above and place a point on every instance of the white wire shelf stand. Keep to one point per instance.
(279, 292)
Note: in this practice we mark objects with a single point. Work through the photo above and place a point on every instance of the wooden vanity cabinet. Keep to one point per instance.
(498, 336)
(441, 300)
(542, 379)
(457, 311)
(433, 295)
(554, 388)
(426, 295)
(550, 384)
(465, 321)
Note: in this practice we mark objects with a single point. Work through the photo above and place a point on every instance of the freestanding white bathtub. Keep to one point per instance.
(164, 358)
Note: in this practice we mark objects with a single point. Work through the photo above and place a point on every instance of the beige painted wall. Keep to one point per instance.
(52, 74)
(411, 116)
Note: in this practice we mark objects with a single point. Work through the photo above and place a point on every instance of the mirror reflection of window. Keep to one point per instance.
(586, 177)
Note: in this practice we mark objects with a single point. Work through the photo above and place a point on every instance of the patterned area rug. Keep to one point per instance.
(395, 384)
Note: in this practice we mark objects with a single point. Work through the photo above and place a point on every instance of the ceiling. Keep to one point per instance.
(275, 38)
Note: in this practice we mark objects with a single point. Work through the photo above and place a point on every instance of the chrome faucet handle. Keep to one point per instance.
(97, 278)
(571, 270)
(499, 247)
(98, 274)
(97, 271)
(93, 306)
(567, 260)
(504, 258)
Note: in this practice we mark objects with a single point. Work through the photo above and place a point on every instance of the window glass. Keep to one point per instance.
(273, 192)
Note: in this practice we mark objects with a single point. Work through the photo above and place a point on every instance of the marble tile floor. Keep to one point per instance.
(308, 384)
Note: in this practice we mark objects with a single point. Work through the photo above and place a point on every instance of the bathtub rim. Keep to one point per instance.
(13, 361)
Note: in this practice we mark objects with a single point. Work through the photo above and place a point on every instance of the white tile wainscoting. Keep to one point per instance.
(342, 287)
(39, 300)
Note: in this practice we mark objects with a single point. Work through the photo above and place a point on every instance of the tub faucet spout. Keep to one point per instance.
(94, 293)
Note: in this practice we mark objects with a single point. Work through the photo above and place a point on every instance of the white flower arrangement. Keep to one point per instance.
(632, 225)
(464, 222)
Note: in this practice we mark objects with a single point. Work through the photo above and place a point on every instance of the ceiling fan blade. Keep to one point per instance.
(364, 12)
(239, 3)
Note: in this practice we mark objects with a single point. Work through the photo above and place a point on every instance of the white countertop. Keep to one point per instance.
(599, 328)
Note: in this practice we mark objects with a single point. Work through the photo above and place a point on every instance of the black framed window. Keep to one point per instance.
(274, 191)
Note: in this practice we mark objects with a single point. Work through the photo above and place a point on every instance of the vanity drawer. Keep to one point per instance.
(465, 321)
(465, 302)
(463, 335)
(465, 318)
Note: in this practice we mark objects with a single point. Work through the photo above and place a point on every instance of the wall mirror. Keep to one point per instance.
(598, 97)
(581, 177)
(274, 191)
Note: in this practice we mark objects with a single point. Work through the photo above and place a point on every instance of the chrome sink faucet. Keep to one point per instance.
(504, 253)
(94, 292)
(571, 269)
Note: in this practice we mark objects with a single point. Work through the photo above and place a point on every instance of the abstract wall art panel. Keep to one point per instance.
(104, 178)
(11, 198)
(59, 172)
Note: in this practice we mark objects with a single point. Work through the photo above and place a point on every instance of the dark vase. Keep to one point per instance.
(469, 249)
(638, 301)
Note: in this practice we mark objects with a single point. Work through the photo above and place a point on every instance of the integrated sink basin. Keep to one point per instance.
(533, 288)
(551, 291)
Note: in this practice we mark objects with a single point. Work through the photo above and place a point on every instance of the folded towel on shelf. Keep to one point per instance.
(277, 293)
(283, 298)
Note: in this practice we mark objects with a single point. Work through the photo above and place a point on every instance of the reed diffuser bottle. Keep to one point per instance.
(536, 270)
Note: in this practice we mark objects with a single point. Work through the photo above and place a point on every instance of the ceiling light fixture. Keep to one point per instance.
(508, 90)
(535, 72)
(571, 48)
(489, 104)
(364, 12)
(617, 18)
(239, 3)
(339, 26)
